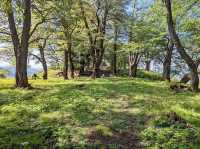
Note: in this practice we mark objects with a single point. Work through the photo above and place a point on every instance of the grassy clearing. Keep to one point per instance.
(114, 112)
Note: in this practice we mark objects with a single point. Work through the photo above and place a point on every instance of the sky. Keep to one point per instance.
(33, 67)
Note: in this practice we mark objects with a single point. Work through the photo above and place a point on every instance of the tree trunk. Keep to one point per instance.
(147, 65)
(21, 71)
(96, 65)
(82, 63)
(133, 71)
(134, 59)
(114, 60)
(195, 80)
(191, 64)
(70, 63)
(44, 63)
(20, 45)
(167, 62)
(45, 73)
(97, 59)
(65, 69)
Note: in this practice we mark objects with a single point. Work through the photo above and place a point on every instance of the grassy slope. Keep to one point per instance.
(84, 111)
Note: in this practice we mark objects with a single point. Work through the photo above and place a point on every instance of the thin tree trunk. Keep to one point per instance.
(82, 63)
(167, 62)
(71, 65)
(44, 63)
(98, 58)
(191, 64)
(147, 65)
(65, 69)
(96, 65)
(114, 60)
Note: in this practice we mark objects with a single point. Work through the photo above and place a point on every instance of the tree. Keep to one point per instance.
(20, 43)
(173, 35)
(67, 15)
(20, 28)
(41, 58)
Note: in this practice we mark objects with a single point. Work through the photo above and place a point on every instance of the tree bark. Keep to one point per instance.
(114, 60)
(147, 65)
(191, 64)
(70, 63)
(96, 65)
(187, 77)
(133, 71)
(82, 63)
(21, 72)
(44, 63)
(21, 46)
(167, 61)
(134, 59)
(65, 69)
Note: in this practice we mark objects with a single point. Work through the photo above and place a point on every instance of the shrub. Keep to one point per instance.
(149, 75)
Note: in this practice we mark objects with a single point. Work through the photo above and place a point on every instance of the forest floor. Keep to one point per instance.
(104, 113)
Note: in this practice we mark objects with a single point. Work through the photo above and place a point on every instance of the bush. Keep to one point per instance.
(143, 74)
(149, 75)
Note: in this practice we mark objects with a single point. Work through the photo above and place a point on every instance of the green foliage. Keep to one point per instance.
(149, 75)
(4, 72)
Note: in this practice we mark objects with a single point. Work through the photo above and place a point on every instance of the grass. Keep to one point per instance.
(114, 112)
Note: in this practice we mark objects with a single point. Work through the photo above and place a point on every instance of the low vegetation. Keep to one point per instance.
(115, 112)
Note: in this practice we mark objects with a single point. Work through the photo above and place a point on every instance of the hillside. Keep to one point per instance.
(115, 112)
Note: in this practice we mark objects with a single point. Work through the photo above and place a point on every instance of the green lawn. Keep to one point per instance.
(114, 112)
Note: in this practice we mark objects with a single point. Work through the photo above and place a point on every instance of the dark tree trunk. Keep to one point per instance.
(65, 69)
(114, 60)
(96, 66)
(82, 63)
(97, 59)
(191, 64)
(21, 46)
(68, 60)
(133, 71)
(45, 73)
(21, 71)
(167, 62)
(70, 63)
(147, 65)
